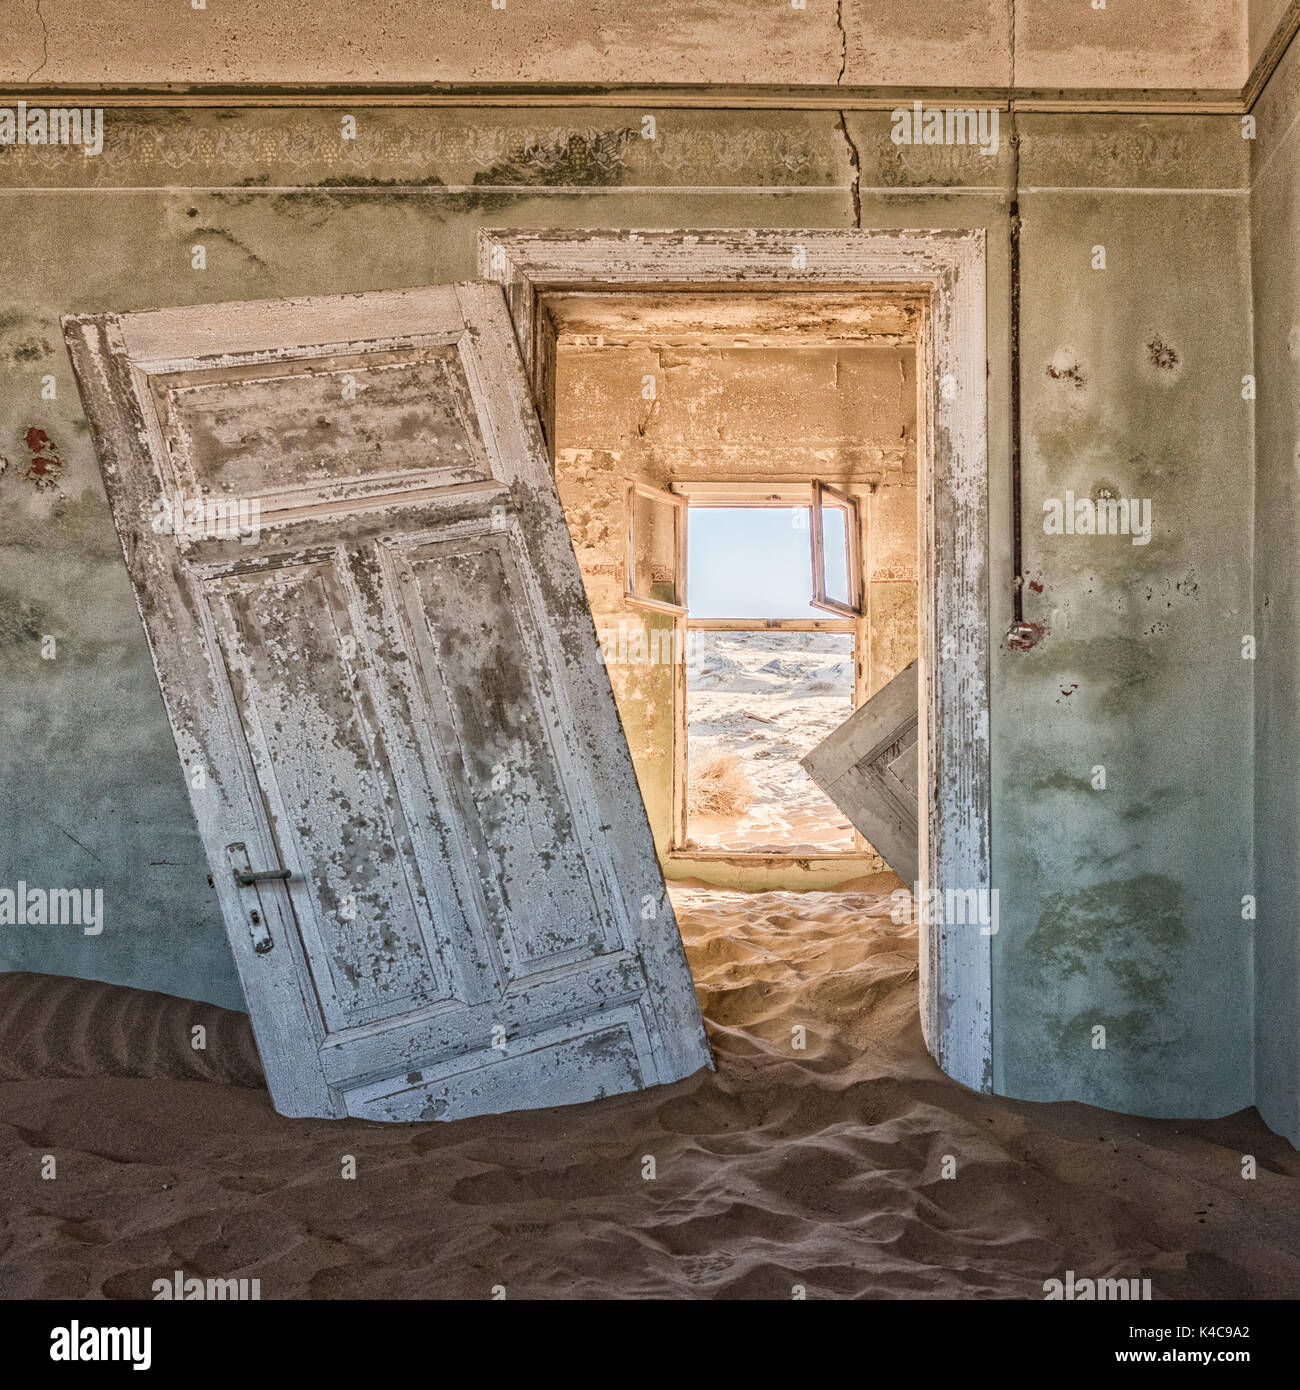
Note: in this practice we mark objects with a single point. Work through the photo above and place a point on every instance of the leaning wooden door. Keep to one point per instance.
(868, 768)
(384, 682)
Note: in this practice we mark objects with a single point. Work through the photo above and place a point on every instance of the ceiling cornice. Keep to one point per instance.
(703, 96)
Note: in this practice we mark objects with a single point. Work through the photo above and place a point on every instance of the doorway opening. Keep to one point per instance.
(650, 302)
(743, 503)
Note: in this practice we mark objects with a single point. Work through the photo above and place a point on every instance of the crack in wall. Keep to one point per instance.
(1011, 46)
(45, 44)
(844, 40)
(855, 156)
(855, 163)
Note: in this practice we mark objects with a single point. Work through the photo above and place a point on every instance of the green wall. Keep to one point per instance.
(1118, 907)
(1275, 211)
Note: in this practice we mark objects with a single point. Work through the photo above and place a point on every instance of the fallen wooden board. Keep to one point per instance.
(868, 768)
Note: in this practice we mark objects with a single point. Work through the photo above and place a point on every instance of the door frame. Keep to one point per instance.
(946, 271)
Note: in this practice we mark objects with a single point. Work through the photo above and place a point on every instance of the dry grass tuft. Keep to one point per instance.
(717, 785)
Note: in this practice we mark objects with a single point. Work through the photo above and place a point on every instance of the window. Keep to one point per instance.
(656, 549)
(752, 562)
(834, 534)
(757, 580)
(767, 673)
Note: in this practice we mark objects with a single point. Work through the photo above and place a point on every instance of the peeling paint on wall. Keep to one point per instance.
(1150, 636)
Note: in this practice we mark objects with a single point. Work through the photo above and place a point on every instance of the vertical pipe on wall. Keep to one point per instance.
(1021, 635)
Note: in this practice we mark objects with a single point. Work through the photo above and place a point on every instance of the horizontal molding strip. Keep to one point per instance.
(810, 97)
(704, 97)
(523, 190)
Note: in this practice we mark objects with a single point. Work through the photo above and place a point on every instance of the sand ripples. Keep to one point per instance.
(817, 1166)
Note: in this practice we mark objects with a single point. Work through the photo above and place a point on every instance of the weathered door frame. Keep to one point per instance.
(947, 270)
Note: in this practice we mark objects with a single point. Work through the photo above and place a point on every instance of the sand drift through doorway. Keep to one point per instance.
(926, 288)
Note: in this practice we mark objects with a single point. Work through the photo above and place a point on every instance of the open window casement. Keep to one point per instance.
(834, 538)
(403, 755)
(656, 549)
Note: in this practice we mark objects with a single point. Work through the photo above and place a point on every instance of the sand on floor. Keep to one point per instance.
(817, 1167)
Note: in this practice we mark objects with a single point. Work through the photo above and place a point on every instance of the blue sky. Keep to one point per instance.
(754, 562)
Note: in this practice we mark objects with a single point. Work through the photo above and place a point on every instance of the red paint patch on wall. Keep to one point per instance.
(45, 466)
(1072, 373)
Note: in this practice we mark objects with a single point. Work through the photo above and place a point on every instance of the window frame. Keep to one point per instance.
(636, 488)
(745, 493)
(817, 544)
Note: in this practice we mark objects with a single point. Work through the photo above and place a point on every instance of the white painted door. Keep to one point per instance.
(868, 768)
(392, 698)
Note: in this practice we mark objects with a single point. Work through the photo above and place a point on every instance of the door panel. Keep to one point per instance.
(868, 768)
(275, 429)
(324, 776)
(390, 704)
(479, 653)
(569, 1065)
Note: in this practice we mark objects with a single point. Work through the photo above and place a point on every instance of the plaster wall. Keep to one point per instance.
(843, 413)
(1123, 899)
(1158, 45)
(1275, 202)
(1118, 907)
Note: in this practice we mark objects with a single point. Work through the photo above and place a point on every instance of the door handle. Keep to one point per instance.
(244, 877)
(247, 877)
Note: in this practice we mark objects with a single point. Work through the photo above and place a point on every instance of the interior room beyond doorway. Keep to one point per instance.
(742, 620)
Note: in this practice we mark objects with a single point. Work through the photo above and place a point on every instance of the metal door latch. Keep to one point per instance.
(244, 877)
(247, 877)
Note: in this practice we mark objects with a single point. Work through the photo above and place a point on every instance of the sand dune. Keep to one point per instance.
(51, 1026)
(767, 698)
(818, 1167)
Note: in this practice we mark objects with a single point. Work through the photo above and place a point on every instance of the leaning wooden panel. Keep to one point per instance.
(402, 749)
(868, 768)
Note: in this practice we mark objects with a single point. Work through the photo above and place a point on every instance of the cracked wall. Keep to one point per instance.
(1169, 44)
(1118, 907)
